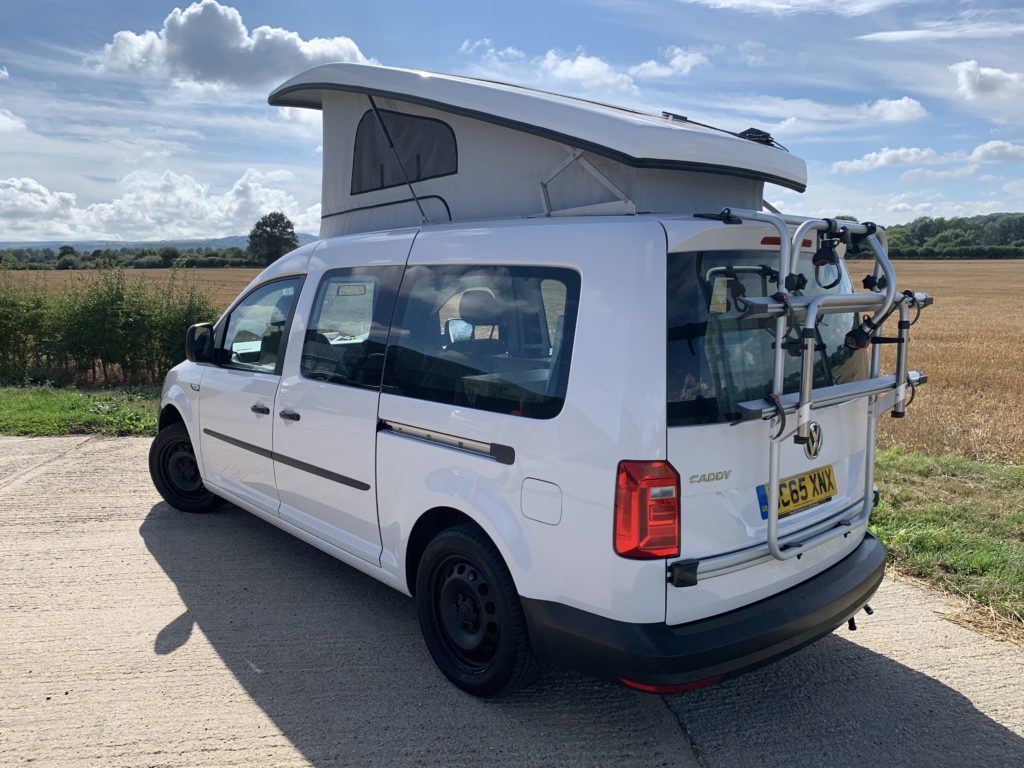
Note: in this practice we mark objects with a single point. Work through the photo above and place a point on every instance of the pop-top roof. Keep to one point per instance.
(634, 138)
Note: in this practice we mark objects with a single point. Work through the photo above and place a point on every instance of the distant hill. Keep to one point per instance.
(86, 246)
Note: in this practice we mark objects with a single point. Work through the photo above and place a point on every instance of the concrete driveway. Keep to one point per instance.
(132, 634)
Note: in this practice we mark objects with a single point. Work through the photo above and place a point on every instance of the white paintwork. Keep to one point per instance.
(598, 426)
(550, 512)
(636, 135)
(542, 501)
(225, 400)
(510, 140)
(724, 516)
(338, 425)
(542, 181)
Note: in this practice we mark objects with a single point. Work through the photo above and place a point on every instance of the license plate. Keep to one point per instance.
(799, 492)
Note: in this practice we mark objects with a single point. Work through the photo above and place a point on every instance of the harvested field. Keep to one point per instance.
(222, 285)
(971, 346)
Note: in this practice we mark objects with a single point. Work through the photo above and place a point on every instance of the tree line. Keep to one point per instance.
(271, 237)
(990, 236)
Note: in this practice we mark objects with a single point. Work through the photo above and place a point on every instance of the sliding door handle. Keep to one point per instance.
(261, 409)
(289, 415)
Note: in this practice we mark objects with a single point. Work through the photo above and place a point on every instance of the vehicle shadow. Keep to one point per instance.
(839, 704)
(336, 661)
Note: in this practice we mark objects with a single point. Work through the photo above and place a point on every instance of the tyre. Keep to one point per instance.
(470, 614)
(175, 473)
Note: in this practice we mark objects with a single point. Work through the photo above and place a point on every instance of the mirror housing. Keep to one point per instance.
(199, 343)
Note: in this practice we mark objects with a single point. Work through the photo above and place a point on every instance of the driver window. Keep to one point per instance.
(257, 327)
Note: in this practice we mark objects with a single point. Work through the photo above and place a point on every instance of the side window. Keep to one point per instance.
(492, 338)
(348, 327)
(257, 327)
(425, 146)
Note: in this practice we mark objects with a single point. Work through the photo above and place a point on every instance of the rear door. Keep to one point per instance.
(717, 359)
(325, 423)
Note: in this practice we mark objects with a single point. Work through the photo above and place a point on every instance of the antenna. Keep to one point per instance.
(391, 144)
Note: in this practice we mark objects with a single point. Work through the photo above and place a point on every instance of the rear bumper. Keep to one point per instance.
(717, 647)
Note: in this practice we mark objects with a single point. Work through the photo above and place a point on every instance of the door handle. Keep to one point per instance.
(289, 415)
(258, 408)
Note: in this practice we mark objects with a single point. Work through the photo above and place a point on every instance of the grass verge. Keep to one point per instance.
(959, 525)
(40, 411)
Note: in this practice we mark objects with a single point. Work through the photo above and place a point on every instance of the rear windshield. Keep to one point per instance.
(716, 358)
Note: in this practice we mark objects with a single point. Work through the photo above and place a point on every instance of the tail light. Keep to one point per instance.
(647, 510)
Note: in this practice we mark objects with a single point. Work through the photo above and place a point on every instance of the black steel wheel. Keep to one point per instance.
(175, 473)
(470, 614)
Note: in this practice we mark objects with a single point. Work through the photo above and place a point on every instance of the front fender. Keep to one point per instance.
(181, 392)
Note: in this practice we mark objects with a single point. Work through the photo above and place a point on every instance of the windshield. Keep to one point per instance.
(717, 359)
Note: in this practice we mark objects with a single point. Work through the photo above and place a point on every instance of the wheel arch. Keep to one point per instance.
(180, 405)
(427, 526)
(169, 414)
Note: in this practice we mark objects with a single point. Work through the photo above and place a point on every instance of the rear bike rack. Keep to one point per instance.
(794, 312)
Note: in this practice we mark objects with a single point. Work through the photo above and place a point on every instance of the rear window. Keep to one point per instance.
(486, 337)
(717, 359)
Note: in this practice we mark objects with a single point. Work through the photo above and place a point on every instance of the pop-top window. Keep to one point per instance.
(425, 146)
(492, 338)
(717, 358)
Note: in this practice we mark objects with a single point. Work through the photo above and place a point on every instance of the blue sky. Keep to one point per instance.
(142, 120)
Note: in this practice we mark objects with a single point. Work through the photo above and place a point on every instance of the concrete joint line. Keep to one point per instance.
(37, 469)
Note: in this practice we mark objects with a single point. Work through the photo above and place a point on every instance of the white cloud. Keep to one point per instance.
(753, 53)
(889, 110)
(997, 152)
(10, 122)
(469, 46)
(977, 82)
(27, 200)
(929, 175)
(963, 28)
(887, 157)
(152, 205)
(4, 74)
(486, 47)
(902, 110)
(209, 43)
(785, 7)
(592, 72)
(1015, 187)
(830, 195)
(678, 61)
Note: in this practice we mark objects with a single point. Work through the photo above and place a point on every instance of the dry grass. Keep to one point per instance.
(967, 611)
(971, 345)
(222, 285)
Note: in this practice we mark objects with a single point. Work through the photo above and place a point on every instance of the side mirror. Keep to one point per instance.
(458, 330)
(199, 343)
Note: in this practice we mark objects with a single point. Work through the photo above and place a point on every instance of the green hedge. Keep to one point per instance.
(99, 329)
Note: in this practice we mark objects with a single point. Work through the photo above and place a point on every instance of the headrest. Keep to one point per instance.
(479, 307)
(279, 314)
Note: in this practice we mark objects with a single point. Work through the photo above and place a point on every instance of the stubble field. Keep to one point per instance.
(222, 285)
(971, 345)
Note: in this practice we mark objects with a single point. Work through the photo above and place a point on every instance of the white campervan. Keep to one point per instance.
(555, 371)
